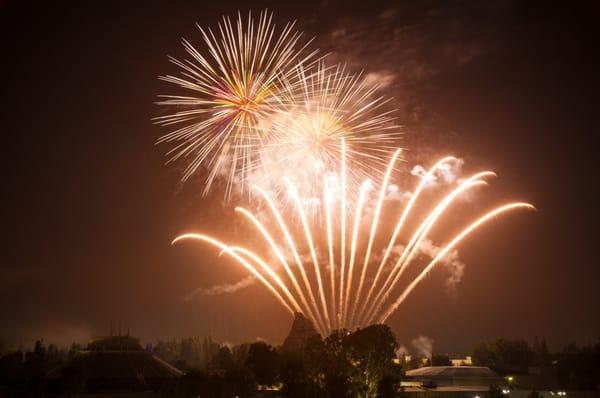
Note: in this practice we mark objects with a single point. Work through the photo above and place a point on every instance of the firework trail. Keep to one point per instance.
(342, 304)
(224, 248)
(231, 92)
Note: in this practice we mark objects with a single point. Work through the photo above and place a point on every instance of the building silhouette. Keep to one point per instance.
(113, 364)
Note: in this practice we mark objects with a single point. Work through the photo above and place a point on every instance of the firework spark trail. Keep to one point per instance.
(342, 307)
(315, 316)
(326, 198)
(421, 233)
(449, 247)
(290, 243)
(241, 260)
(233, 90)
(424, 180)
(313, 253)
(361, 200)
(417, 238)
(343, 230)
(270, 272)
(374, 224)
(288, 238)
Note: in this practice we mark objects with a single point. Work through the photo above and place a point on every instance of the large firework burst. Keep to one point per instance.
(231, 90)
(325, 106)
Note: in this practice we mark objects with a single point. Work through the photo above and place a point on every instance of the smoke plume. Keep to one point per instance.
(423, 345)
(448, 173)
(455, 267)
(220, 289)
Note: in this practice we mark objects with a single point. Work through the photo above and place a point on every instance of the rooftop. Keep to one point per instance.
(452, 372)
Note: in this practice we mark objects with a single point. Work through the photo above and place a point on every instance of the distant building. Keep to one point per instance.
(112, 365)
(457, 361)
(468, 381)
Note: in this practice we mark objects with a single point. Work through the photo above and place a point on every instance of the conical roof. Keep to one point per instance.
(302, 329)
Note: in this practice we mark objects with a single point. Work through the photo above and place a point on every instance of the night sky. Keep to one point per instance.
(89, 207)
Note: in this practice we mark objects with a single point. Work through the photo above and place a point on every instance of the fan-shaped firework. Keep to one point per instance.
(230, 92)
(344, 288)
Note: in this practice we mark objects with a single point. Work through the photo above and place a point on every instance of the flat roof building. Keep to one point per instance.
(456, 381)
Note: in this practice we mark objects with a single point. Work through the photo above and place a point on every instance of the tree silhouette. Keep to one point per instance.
(223, 360)
(372, 351)
(354, 364)
(440, 360)
(263, 362)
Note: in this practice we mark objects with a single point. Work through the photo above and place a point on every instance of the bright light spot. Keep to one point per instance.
(312, 201)
(318, 164)
(332, 179)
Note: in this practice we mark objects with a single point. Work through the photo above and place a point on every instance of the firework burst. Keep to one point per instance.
(327, 105)
(347, 286)
(232, 90)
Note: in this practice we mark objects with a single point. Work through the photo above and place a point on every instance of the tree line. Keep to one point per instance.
(357, 364)
(363, 363)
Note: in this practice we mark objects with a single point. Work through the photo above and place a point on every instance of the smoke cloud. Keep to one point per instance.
(448, 173)
(220, 289)
(423, 345)
(402, 350)
(453, 264)
(395, 194)
(451, 261)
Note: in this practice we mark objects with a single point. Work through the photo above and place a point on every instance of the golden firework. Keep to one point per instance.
(232, 90)
(360, 287)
